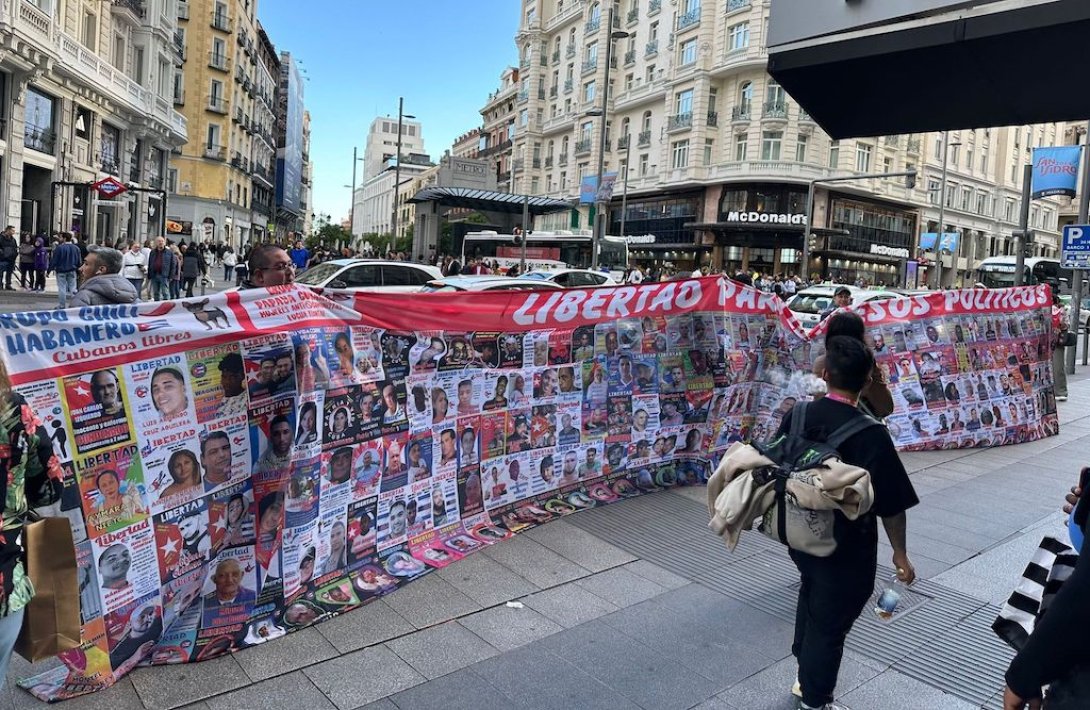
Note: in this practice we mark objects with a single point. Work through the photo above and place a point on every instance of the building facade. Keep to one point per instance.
(307, 196)
(714, 160)
(382, 143)
(85, 94)
(498, 129)
(467, 145)
(374, 200)
(291, 151)
(262, 126)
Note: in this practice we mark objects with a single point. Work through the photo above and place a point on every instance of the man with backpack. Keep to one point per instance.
(835, 589)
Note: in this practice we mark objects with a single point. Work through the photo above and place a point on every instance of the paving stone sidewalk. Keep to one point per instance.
(637, 605)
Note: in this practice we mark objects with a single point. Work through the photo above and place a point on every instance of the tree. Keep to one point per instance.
(333, 236)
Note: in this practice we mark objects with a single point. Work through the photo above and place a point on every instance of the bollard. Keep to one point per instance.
(1085, 343)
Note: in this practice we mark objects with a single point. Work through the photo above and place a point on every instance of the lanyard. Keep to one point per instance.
(842, 399)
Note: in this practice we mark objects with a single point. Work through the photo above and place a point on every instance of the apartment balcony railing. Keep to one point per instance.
(541, 93)
(775, 109)
(221, 21)
(556, 57)
(493, 149)
(590, 66)
(179, 44)
(582, 147)
(654, 6)
(217, 60)
(570, 51)
(524, 63)
(183, 10)
(644, 139)
(630, 57)
(623, 141)
(633, 15)
(913, 145)
(804, 117)
(238, 114)
(136, 7)
(651, 49)
(689, 19)
(679, 122)
(215, 152)
(548, 161)
(562, 160)
(536, 162)
(741, 113)
(553, 91)
(524, 96)
(892, 141)
(568, 85)
(217, 104)
(733, 5)
(592, 26)
(713, 119)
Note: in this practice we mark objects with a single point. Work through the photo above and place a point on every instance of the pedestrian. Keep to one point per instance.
(9, 254)
(102, 282)
(64, 262)
(176, 274)
(32, 478)
(193, 267)
(1059, 362)
(635, 277)
(299, 256)
(269, 266)
(230, 260)
(836, 589)
(134, 267)
(26, 261)
(161, 263)
(41, 263)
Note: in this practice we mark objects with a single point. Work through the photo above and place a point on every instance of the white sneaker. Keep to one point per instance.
(796, 689)
(1061, 398)
(827, 706)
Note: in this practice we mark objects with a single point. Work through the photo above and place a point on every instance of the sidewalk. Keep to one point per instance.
(637, 605)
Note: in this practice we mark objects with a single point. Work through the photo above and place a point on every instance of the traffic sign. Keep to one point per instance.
(1076, 247)
(109, 187)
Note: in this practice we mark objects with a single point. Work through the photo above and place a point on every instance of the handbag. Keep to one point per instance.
(1067, 339)
(1051, 566)
(51, 623)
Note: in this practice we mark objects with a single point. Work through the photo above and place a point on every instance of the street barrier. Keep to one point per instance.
(243, 465)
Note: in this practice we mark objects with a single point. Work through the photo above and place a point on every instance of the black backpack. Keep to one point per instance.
(798, 458)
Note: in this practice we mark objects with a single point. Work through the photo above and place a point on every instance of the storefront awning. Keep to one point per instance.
(489, 201)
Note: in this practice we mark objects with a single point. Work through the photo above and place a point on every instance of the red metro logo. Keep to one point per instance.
(109, 187)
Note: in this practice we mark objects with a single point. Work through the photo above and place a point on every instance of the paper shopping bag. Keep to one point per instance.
(52, 622)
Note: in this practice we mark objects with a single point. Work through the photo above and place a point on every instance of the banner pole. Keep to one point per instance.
(1023, 226)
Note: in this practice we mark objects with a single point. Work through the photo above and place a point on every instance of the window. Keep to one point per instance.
(969, 158)
(745, 98)
(110, 148)
(709, 149)
(887, 164)
(954, 153)
(834, 154)
(688, 51)
(654, 33)
(586, 131)
(38, 134)
(966, 198)
(589, 91)
(738, 37)
(119, 52)
(219, 53)
(800, 149)
(646, 125)
(90, 30)
(643, 164)
(214, 136)
(680, 154)
(692, 6)
(403, 275)
(771, 141)
(981, 203)
(591, 55)
(360, 276)
(951, 192)
(83, 122)
(740, 142)
(650, 74)
(984, 159)
(863, 153)
(524, 117)
(595, 12)
(933, 189)
(776, 95)
(938, 148)
(217, 93)
(683, 102)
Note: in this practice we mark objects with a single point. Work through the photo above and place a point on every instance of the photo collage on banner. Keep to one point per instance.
(224, 495)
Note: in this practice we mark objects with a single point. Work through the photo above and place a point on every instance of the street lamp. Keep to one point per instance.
(352, 208)
(600, 204)
(401, 115)
(942, 212)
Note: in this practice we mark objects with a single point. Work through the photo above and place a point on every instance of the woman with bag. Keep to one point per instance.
(1059, 363)
(230, 259)
(134, 266)
(30, 476)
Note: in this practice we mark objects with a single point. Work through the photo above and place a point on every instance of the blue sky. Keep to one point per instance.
(443, 56)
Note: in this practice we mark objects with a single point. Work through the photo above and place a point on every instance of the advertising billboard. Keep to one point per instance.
(289, 157)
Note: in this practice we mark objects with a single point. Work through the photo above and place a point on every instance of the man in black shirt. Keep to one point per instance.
(835, 589)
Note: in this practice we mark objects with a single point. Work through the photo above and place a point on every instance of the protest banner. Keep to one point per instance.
(318, 450)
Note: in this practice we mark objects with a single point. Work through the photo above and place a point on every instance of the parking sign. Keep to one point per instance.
(1076, 246)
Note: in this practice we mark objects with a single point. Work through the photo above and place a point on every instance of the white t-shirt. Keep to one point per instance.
(635, 277)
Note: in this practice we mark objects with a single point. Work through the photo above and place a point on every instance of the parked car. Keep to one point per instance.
(486, 283)
(369, 275)
(573, 278)
(809, 303)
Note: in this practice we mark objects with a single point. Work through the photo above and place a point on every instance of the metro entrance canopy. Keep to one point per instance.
(891, 67)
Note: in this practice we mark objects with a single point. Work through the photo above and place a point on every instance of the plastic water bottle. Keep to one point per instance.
(889, 599)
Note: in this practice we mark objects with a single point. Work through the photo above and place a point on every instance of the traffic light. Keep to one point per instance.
(813, 242)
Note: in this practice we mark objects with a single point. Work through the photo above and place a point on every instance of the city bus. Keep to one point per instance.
(546, 250)
(998, 272)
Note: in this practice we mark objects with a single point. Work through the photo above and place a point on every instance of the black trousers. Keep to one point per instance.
(834, 592)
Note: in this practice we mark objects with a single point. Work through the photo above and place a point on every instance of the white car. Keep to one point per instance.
(573, 278)
(369, 275)
(809, 303)
(486, 283)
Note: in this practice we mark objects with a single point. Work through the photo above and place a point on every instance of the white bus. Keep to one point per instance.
(998, 272)
(546, 250)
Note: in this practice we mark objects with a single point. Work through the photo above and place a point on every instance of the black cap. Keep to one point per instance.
(842, 289)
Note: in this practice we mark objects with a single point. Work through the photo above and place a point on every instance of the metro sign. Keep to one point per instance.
(109, 187)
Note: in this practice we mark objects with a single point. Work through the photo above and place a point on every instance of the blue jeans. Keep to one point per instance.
(9, 632)
(160, 288)
(66, 287)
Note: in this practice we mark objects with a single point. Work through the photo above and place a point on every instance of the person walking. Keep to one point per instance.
(161, 263)
(176, 274)
(836, 589)
(134, 267)
(26, 262)
(242, 268)
(1059, 363)
(64, 262)
(9, 254)
(193, 268)
(41, 264)
(103, 283)
(230, 260)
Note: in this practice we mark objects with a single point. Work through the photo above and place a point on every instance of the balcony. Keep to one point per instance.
(183, 10)
(548, 161)
(215, 152)
(630, 57)
(524, 96)
(179, 44)
(623, 142)
(713, 119)
(775, 110)
(582, 147)
(654, 6)
(217, 104)
(733, 5)
(238, 114)
(493, 149)
(892, 141)
(651, 49)
(570, 51)
(41, 139)
(741, 114)
(221, 21)
(556, 57)
(913, 145)
(553, 91)
(805, 117)
(217, 60)
(679, 122)
(132, 8)
(592, 25)
(536, 163)
(589, 66)
(562, 160)
(689, 19)
(644, 139)
(568, 85)
(633, 16)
